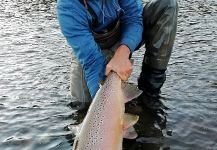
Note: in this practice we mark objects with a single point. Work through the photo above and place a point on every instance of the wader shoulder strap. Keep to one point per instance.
(108, 37)
(90, 10)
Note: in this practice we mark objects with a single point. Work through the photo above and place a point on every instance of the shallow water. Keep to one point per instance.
(34, 81)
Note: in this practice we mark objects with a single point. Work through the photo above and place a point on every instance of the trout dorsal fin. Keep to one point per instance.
(75, 129)
(130, 91)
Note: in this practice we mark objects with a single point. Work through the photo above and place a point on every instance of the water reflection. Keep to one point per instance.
(77, 116)
(150, 128)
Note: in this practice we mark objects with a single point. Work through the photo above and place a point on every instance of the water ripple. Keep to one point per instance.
(34, 81)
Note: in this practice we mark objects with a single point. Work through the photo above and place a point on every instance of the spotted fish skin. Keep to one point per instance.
(103, 126)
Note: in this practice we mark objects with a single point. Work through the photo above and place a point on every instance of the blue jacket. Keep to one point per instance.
(75, 23)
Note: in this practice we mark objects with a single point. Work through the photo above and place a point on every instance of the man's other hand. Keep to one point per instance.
(120, 63)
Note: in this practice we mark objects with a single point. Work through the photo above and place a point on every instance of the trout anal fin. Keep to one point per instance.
(130, 91)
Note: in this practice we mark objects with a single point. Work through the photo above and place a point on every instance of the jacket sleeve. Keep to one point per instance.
(132, 23)
(74, 25)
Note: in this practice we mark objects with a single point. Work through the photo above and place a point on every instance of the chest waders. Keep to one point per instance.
(160, 23)
(109, 36)
(108, 41)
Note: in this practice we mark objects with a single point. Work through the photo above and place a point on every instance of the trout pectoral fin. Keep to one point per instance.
(130, 133)
(130, 91)
(129, 120)
(75, 144)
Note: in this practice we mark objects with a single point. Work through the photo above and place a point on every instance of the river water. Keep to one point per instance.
(35, 104)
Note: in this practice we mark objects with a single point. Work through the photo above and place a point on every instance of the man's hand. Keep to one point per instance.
(120, 63)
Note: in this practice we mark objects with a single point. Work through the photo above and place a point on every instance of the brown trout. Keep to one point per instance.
(106, 124)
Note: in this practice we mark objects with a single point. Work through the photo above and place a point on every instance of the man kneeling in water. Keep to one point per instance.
(104, 33)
